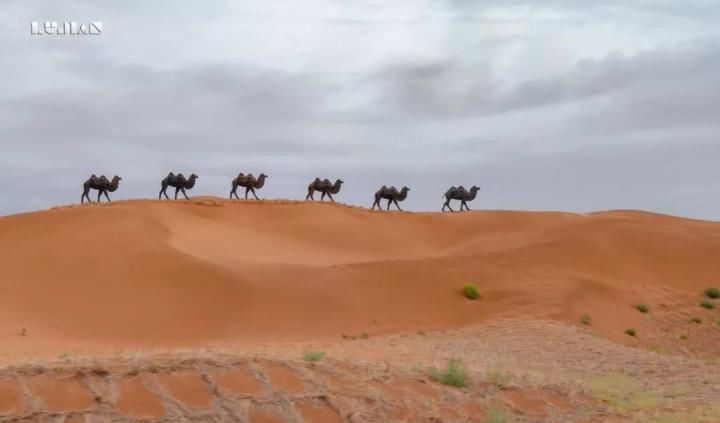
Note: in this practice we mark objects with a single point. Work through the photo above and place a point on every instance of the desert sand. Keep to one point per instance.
(130, 284)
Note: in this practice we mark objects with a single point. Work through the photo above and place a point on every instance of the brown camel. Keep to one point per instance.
(392, 195)
(101, 184)
(325, 187)
(249, 182)
(460, 193)
(179, 182)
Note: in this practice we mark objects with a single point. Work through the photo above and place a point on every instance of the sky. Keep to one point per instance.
(544, 104)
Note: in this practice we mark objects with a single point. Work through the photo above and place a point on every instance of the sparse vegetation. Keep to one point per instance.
(622, 393)
(683, 336)
(586, 319)
(631, 332)
(471, 291)
(707, 304)
(421, 332)
(712, 292)
(364, 335)
(642, 308)
(666, 418)
(696, 320)
(454, 374)
(494, 416)
(314, 356)
(499, 378)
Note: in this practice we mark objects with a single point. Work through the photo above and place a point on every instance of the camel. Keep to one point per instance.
(325, 187)
(460, 193)
(179, 182)
(101, 184)
(392, 195)
(249, 182)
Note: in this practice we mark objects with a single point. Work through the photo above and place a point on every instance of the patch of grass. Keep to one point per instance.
(622, 393)
(471, 291)
(707, 304)
(364, 335)
(658, 349)
(666, 418)
(499, 378)
(313, 356)
(631, 332)
(712, 292)
(454, 374)
(421, 332)
(495, 416)
(642, 308)
(586, 319)
(695, 320)
(683, 336)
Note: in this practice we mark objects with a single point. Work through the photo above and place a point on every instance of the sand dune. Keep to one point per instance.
(152, 273)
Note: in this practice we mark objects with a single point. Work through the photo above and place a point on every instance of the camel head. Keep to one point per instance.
(405, 189)
(193, 176)
(262, 175)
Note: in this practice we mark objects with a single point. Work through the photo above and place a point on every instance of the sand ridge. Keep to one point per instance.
(163, 273)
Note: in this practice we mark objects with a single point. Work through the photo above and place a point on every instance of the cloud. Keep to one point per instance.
(550, 104)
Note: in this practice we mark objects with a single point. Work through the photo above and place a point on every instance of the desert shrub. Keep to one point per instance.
(314, 356)
(494, 416)
(586, 319)
(696, 320)
(471, 291)
(683, 336)
(712, 292)
(454, 374)
(631, 332)
(499, 378)
(642, 308)
(707, 304)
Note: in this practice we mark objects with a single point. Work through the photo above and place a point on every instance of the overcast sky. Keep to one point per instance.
(560, 105)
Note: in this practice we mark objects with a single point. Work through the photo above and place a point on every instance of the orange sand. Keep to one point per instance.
(143, 274)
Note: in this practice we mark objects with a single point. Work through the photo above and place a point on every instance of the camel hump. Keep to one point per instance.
(170, 175)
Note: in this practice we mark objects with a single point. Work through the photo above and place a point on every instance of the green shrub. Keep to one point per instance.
(586, 319)
(631, 332)
(471, 291)
(454, 374)
(499, 378)
(707, 304)
(494, 416)
(712, 292)
(314, 356)
(642, 308)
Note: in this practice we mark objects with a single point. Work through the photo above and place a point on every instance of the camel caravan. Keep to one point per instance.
(103, 185)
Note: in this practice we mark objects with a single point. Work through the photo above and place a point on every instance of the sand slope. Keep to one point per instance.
(151, 273)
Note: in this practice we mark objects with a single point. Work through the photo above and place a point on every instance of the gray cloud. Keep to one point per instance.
(425, 94)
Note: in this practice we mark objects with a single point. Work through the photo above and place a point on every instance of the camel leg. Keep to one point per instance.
(389, 202)
(163, 190)
(376, 203)
(253, 193)
(322, 197)
(177, 189)
(99, 194)
(466, 206)
(107, 196)
(447, 204)
(183, 191)
(330, 197)
(233, 191)
(309, 196)
(85, 195)
(247, 189)
(397, 205)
